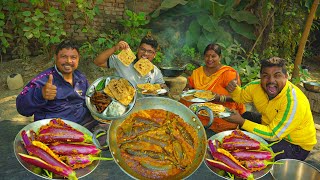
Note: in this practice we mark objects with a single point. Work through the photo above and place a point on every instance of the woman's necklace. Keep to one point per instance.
(210, 71)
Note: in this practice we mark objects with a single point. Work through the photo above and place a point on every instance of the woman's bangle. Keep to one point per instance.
(223, 98)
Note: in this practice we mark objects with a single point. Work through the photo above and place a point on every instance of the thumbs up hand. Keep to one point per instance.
(232, 84)
(49, 91)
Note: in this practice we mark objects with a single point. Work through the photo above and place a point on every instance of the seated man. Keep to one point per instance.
(285, 111)
(58, 92)
(146, 50)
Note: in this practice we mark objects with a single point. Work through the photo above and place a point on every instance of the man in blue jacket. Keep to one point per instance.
(58, 92)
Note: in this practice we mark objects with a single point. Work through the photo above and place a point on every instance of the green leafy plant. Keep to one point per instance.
(133, 27)
(3, 35)
(304, 75)
(86, 11)
(248, 68)
(209, 21)
(40, 25)
(46, 27)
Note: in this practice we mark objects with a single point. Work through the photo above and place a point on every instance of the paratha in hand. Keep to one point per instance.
(143, 66)
(126, 56)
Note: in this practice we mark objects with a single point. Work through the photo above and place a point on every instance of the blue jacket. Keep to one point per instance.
(69, 103)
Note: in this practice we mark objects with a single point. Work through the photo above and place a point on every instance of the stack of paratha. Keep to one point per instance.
(216, 108)
(207, 95)
(149, 88)
(121, 90)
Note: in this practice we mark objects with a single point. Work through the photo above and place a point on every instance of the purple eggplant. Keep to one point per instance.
(81, 160)
(69, 149)
(257, 165)
(220, 165)
(254, 155)
(224, 156)
(68, 173)
(53, 134)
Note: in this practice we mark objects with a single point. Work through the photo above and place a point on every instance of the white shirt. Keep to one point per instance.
(128, 72)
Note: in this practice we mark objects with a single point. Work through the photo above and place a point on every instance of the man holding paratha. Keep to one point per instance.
(138, 68)
(285, 113)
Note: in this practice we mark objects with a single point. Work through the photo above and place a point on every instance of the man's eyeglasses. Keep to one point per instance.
(143, 50)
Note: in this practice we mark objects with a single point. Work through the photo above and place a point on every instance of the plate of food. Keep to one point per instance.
(198, 96)
(217, 109)
(110, 98)
(47, 147)
(251, 159)
(151, 89)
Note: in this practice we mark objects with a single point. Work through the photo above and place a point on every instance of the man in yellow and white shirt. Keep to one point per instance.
(285, 111)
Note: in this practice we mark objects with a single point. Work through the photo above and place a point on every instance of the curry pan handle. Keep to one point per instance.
(96, 135)
(209, 111)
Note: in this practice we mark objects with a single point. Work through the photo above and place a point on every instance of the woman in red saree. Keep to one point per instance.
(215, 76)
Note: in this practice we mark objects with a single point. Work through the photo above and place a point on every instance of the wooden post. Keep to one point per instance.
(303, 40)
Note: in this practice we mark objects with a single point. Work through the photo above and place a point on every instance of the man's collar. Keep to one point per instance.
(55, 66)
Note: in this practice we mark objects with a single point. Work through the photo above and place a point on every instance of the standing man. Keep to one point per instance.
(147, 50)
(285, 112)
(58, 92)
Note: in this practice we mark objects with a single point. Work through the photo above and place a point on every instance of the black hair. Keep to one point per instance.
(215, 47)
(68, 44)
(274, 61)
(150, 41)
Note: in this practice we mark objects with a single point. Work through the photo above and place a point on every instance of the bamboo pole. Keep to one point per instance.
(303, 40)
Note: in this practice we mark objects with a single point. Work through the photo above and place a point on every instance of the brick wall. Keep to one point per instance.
(110, 12)
(147, 6)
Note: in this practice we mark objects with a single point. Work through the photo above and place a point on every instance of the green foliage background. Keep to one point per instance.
(246, 30)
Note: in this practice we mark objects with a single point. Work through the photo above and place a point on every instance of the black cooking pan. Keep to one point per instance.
(172, 71)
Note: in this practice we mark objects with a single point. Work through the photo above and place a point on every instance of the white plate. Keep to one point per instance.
(18, 147)
(159, 91)
(195, 99)
(219, 136)
(224, 114)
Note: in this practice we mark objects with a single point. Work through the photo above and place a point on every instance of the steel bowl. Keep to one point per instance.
(169, 105)
(219, 136)
(294, 170)
(104, 117)
(171, 71)
(312, 86)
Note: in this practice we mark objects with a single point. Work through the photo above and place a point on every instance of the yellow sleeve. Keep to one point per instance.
(243, 95)
(286, 120)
